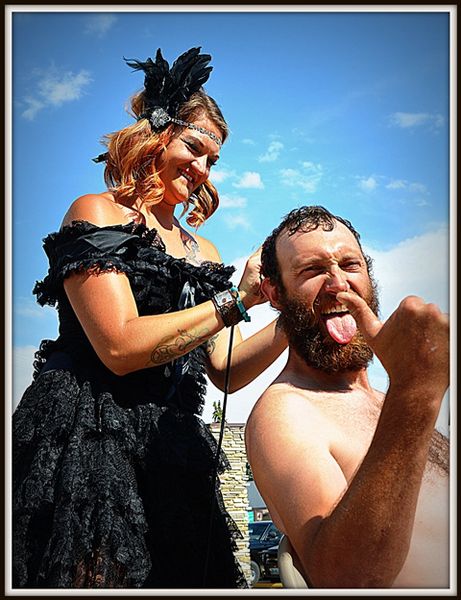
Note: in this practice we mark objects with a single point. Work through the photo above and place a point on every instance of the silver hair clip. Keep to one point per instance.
(159, 119)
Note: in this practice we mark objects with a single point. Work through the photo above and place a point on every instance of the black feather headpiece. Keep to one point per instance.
(166, 89)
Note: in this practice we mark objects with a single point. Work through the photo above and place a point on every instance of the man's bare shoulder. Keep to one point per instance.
(287, 411)
(277, 399)
(288, 441)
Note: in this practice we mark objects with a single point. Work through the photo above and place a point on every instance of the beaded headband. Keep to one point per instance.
(159, 119)
(165, 89)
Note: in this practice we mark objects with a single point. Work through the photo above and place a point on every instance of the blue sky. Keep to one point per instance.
(350, 110)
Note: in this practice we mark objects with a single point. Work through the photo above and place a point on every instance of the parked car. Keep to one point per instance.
(269, 560)
(263, 535)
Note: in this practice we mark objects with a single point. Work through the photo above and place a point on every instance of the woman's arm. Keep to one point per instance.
(250, 357)
(126, 342)
(107, 311)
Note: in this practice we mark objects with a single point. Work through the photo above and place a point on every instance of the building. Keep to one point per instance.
(234, 486)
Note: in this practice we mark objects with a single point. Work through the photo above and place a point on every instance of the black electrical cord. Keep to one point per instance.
(218, 452)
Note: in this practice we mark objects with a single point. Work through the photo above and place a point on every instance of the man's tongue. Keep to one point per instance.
(341, 327)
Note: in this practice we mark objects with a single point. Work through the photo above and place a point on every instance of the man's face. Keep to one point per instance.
(315, 266)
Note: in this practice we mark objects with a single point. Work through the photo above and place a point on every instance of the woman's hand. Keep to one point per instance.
(250, 284)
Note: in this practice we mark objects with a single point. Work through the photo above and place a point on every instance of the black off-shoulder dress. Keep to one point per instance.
(112, 474)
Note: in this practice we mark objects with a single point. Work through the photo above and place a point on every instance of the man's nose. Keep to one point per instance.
(336, 282)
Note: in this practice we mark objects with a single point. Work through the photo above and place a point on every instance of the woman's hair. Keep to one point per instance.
(135, 157)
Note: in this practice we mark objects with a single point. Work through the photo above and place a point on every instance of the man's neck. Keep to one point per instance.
(302, 375)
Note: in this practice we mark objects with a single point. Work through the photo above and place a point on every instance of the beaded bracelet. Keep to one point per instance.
(241, 307)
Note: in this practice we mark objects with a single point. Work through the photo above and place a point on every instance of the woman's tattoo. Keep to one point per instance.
(169, 349)
(192, 248)
(211, 345)
(190, 245)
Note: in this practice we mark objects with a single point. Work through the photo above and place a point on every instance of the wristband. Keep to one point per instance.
(240, 306)
(226, 305)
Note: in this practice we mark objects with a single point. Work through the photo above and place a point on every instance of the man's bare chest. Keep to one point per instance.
(350, 423)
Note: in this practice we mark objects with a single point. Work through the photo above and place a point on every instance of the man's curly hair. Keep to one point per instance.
(305, 219)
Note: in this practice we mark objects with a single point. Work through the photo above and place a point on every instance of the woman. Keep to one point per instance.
(113, 469)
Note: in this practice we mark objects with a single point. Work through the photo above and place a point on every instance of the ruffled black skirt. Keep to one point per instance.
(106, 496)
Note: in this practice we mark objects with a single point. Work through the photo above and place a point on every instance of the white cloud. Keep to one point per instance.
(402, 184)
(397, 184)
(272, 153)
(226, 201)
(99, 25)
(250, 179)
(300, 133)
(234, 221)
(289, 176)
(249, 142)
(419, 188)
(34, 106)
(308, 179)
(416, 266)
(408, 120)
(66, 88)
(368, 185)
(54, 89)
(219, 175)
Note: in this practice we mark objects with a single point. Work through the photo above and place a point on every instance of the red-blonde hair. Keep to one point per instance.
(135, 157)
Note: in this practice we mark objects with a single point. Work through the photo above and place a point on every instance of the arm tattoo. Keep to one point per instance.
(211, 345)
(169, 348)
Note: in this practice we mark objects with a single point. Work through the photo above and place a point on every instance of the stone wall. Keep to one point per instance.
(234, 485)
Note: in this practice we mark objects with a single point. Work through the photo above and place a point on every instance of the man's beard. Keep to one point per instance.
(313, 344)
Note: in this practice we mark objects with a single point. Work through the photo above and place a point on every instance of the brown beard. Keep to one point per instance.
(308, 339)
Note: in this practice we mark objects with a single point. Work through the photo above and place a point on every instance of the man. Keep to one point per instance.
(357, 479)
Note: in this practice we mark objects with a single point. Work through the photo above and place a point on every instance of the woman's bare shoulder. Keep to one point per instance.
(207, 249)
(99, 209)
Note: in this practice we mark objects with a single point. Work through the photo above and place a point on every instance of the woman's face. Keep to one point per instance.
(189, 158)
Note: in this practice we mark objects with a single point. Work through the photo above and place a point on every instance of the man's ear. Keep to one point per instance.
(271, 292)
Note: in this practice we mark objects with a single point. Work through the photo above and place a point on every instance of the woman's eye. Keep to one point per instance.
(192, 147)
(196, 151)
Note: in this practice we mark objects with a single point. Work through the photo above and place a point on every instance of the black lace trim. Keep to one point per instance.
(130, 248)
